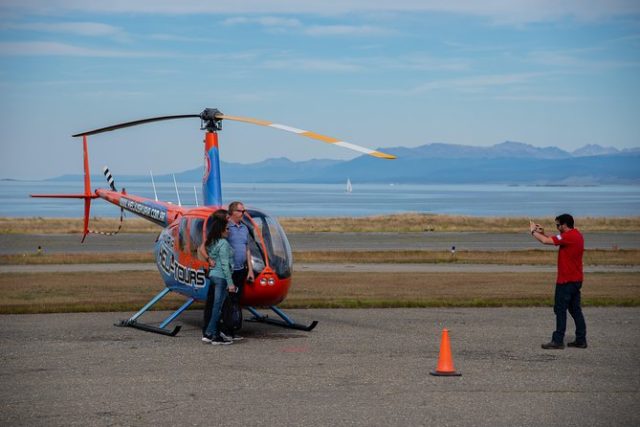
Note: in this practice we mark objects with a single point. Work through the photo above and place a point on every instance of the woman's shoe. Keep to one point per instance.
(225, 337)
(219, 341)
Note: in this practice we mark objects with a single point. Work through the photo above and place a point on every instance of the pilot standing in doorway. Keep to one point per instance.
(242, 264)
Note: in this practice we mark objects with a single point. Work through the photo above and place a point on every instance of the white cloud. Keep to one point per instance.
(422, 62)
(540, 98)
(311, 65)
(472, 84)
(477, 83)
(265, 21)
(63, 49)
(501, 11)
(92, 29)
(178, 38)
(572, 59)
(283, 24)
(345, 30)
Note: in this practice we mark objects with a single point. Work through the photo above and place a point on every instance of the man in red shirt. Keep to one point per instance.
(568, 281)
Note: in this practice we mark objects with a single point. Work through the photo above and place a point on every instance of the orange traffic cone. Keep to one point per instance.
(445, 361)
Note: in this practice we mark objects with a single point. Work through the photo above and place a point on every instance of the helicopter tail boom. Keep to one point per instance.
(160, 213)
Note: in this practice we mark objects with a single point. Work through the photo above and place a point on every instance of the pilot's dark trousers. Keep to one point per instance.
(239, 276)
(568, 298)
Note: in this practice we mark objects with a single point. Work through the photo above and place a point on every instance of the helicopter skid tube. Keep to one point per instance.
(286, 321)
(149, 328)
(132, 322)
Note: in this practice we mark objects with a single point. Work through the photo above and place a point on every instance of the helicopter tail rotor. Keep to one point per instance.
(87, 196)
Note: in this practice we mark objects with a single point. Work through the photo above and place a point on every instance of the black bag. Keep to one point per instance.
(231, 315)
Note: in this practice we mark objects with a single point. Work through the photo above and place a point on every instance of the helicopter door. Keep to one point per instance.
(264, 228)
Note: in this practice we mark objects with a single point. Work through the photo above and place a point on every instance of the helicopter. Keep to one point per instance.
(185, 229)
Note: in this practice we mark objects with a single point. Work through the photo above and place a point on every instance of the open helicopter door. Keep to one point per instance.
(273, 263)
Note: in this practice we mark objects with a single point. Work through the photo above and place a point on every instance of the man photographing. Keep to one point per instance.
(568, 281)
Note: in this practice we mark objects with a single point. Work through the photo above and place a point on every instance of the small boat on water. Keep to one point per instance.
(349, 187)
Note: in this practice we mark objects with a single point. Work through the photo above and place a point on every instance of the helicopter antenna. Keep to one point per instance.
(155, 194)
(195, 194)
(176, 186)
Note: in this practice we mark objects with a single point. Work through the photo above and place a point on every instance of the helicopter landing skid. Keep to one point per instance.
(286, 321)
(149, 328)
(132, 322)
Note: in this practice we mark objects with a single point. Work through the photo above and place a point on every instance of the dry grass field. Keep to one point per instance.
(92, 292)
(415, 222)
(401, 223)
(523, 257)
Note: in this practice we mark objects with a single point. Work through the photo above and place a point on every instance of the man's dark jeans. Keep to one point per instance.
(568, 298)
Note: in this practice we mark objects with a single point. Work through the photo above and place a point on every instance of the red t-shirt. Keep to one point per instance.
(569, 256)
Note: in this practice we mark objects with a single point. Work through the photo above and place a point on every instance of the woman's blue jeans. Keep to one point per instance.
(219, 297)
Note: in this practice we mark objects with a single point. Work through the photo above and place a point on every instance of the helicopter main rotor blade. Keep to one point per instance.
(212, 118)
(309, 134)
(134, 123)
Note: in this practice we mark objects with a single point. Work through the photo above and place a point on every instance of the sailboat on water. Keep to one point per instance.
(349, 187)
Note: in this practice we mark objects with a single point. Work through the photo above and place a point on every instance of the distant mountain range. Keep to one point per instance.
(505, 163)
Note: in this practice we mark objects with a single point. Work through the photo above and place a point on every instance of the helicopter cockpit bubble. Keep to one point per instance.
(264, 228)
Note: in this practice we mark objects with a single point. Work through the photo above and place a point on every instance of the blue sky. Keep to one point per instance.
(378, 74)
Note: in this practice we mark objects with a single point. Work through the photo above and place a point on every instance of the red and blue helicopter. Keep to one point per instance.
(185, 229)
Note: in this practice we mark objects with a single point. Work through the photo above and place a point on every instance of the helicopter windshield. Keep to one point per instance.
(275, 242)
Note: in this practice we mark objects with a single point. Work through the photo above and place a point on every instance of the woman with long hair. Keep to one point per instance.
(220, 258)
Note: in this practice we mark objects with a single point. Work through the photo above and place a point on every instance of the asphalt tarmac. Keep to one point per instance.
(28, 243)
(357, 368)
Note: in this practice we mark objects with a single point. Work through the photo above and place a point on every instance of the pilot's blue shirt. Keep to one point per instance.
(239, 239)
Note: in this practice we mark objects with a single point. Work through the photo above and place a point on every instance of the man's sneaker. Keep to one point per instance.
(206, 338)
(225, 337)
(220, 341)
(577, 344)
(553, 346)
(237, 338)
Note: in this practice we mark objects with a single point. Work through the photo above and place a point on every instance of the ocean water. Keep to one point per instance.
(297, 200)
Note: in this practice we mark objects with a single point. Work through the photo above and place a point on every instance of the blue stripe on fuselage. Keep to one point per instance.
(212, 187)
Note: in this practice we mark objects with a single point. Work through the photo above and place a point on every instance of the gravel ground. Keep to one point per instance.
(358, 367)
